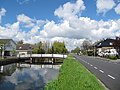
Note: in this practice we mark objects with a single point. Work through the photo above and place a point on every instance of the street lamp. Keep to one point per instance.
(94, 50)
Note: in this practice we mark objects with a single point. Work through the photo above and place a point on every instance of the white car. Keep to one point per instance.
(111, 52)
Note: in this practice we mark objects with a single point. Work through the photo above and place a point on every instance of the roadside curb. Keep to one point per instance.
(109, 60)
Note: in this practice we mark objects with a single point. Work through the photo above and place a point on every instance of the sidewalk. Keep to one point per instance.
(107, 59)
(114, 61)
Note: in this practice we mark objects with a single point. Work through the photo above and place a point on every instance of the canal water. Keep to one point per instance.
(22, 76)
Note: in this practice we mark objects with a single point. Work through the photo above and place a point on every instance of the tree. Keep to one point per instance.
(38, 48)
(35, 50)
(116, 44)
(86, 45)
(20, 42)
(76, 50)
(59, 47)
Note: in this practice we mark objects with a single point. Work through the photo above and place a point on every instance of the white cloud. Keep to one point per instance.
(104, 6)
(79, 29)
(9, 31)
(72, 29)
(27, 21)
(2, 13)
(70, 43)
(22, 1)
(117, 9)
(70, 10)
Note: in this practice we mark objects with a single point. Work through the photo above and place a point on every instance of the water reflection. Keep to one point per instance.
(27, 76)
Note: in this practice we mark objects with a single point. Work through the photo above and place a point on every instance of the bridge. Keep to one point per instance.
(43, 56)
(34, 58)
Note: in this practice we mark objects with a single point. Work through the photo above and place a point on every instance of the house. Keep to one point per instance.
(7, 47)
(23, 49)
(117, 44)
(106, 47)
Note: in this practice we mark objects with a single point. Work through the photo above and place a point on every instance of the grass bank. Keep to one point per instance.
(74, 76)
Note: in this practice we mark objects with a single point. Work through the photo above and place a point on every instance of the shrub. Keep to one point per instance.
(112, 57)
(90, 53)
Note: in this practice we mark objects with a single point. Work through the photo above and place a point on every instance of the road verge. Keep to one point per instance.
(74, 76)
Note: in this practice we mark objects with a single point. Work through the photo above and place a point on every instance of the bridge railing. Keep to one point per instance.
(44, 55)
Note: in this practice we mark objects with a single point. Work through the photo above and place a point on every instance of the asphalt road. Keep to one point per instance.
(106, 71)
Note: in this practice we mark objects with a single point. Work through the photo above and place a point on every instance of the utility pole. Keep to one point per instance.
(1, 50)
(94, 50)
(52, 54)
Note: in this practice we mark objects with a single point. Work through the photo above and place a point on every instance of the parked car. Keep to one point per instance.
(108, 52)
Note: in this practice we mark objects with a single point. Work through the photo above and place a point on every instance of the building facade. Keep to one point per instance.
(7, 47)
(23, 49)
(106, 47)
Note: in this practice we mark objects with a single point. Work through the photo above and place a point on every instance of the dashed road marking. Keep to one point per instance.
(91, 65)
(101, 71)
(111, 76)
(95, 67)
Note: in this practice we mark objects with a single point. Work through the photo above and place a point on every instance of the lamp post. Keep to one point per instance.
(94, 49)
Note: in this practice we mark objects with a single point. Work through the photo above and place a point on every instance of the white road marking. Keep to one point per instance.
(95, 67)
(101, 71)
(88, 63)
(111, 76)
(91, 65)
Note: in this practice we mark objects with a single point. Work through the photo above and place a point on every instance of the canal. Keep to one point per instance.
(23, 76)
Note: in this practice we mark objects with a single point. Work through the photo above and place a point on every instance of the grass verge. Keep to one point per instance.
(74, 76)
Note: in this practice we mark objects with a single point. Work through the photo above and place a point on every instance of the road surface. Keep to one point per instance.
(106, 71)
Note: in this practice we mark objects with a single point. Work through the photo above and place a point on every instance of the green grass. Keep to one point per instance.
(74, 76)
(112, 57)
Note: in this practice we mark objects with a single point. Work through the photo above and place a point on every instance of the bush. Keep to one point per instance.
(112, 57)
(90, 53)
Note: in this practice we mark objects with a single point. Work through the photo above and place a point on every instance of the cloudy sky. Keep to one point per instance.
(71, 21)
